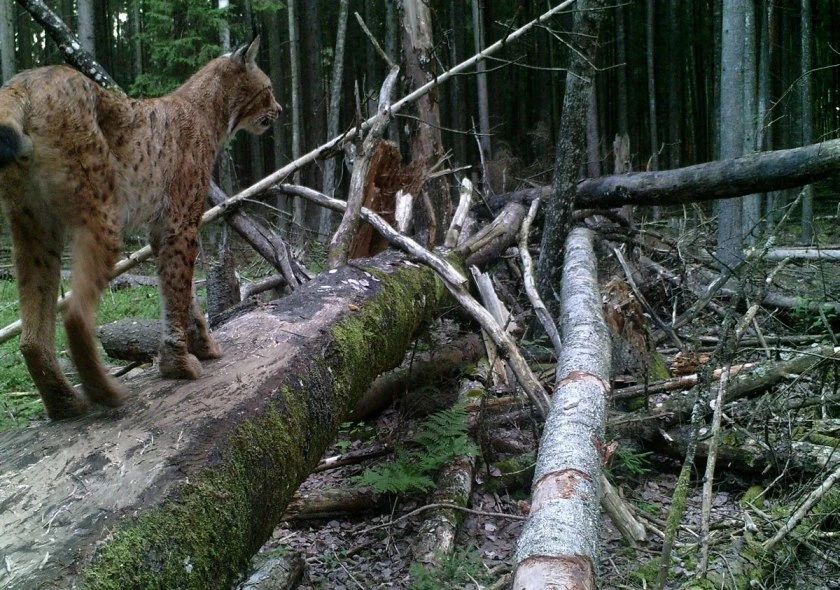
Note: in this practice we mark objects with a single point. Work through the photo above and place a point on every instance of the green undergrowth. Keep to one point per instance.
(458, 570)
(19, 403)
(439, 439)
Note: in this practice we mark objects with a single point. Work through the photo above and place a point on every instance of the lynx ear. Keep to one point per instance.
(253, 49)
(239, 55)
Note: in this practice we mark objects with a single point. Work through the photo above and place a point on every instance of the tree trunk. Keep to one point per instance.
(571, 144)
(715, 180)
(135, 25)
(457, 112)
(593, 147)
(621, 55)
(732, 118)
(559, 543)
(807, 119)
(426, 146)
(481, 79)
(7, 40)
(676, 75)
(278, 136)
(294, 61)
(255, 148)
(751, 213)
(86, 30)
(325, 224)
(193, 477)
(314, 97)
(651, 80)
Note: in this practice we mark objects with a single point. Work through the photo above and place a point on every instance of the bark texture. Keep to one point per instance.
(560, 538)
(187, 480)
(571, 145)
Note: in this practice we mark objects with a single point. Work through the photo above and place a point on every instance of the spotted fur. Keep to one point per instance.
(81, 162)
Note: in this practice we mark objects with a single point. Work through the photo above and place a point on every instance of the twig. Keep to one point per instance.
(422, 509)
(797, 516)
(541, 311)
(374, 42)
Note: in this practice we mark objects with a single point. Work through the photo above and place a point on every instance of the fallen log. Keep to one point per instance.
(131, 339)
(275, 570)
(425, 369)
(184, 483)
(333, 502)
(723, 179)
(779, 254)
(435, 539)
(559, 543)
(677, 409)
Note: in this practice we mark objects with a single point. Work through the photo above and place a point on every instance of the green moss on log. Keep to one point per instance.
(204, 536)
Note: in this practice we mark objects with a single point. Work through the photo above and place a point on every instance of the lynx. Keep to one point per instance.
(82, 162)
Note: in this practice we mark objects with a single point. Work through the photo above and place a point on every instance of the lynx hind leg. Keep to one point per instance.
(37, 253)
(176, 250)
(199, 340)
(95, 250)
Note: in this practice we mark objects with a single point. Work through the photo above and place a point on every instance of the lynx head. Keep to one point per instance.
(253, 106)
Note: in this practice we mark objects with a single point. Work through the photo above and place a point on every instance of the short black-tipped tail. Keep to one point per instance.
(10, 145)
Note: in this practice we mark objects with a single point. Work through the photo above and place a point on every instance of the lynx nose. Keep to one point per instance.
(278, 108)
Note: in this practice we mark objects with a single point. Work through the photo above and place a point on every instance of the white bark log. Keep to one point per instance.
(779, 254)
(464, 202)
(559, 544)
(403, 211)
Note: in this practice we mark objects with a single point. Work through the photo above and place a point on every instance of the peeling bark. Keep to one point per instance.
(559, 544)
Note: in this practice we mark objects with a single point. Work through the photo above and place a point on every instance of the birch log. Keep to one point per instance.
(559, 544)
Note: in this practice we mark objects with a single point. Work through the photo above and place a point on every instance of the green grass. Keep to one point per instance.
(18, 410)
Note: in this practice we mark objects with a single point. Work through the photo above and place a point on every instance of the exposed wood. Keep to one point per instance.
(201, 472)
(528, 279)
(488, 243)
(403, 211)
(277, 570)
(339, 248)
(59, 32)
(559, 543)
(267, 284)
(353, 457)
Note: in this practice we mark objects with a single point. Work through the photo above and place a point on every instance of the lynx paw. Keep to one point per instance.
(65, 404)
(110, 393)
(184, 366)
(206, 349)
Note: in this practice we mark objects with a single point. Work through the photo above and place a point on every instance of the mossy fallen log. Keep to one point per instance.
(182, 485)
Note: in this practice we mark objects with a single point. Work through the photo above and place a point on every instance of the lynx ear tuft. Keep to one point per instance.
(253, 49)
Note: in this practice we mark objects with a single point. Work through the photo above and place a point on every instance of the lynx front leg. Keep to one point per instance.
(37, 252)
(176, 251)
